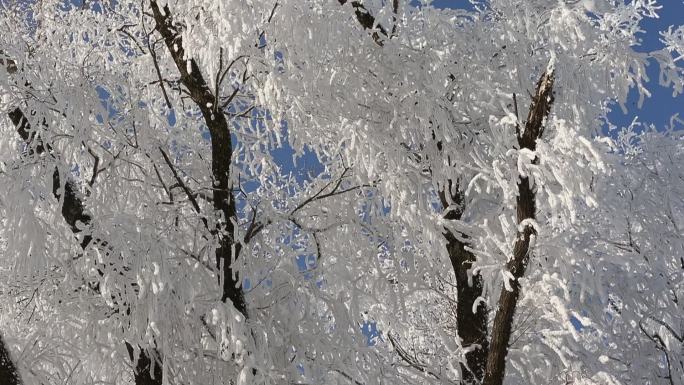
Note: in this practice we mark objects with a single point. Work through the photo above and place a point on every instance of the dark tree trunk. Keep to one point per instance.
(472, 327)
(526, 205)
(221, 153)
(9, 375)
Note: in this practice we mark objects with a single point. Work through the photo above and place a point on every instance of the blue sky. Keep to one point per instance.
(661, 105)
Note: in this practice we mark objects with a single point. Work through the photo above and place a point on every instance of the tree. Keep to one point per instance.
(463, 194)
(470, 75)
(122, 156)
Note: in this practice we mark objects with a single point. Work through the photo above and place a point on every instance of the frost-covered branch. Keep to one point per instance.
(526, 211)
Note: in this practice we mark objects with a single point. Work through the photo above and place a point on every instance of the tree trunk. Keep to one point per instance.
(221, 154)
(472, 327)
(526, 205)
(9, 375)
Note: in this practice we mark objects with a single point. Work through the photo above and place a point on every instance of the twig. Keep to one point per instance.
(319, 195)
(348, 377)
(168, 192)
(261, 35)
(185, 188)
(409, 360)
(159, 75)
(95, 165)
(122, 29)
(517, 117)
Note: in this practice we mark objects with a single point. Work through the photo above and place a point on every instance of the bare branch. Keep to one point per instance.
(414, 363)
(185, 188)
(159, 75)
(95, 166)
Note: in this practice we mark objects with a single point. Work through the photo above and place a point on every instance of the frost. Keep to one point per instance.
(477, 302)
(528, 223)
(507, 278)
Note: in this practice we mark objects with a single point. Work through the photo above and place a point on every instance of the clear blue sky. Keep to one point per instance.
(661, 105)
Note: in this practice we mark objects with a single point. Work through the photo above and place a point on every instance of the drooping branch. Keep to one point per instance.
(148, 366)
(540, 108)
(73, 209)
(75, 214)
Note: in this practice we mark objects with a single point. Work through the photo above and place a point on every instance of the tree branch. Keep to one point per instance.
(526, 207)
(367, 20)
(74, 213)
(159, 75)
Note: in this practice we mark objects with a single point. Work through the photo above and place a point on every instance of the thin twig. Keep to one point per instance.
(161, 82)
(185, 188)
(95, 165)
(261, 35)
(409, 360)
(319, 195)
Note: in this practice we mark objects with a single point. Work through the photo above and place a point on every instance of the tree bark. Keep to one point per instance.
(9, 375)
(221, 153)
(526, 206)
(472, 326)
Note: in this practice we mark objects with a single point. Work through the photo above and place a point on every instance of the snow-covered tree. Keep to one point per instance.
(463, 199)
(484, 130)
